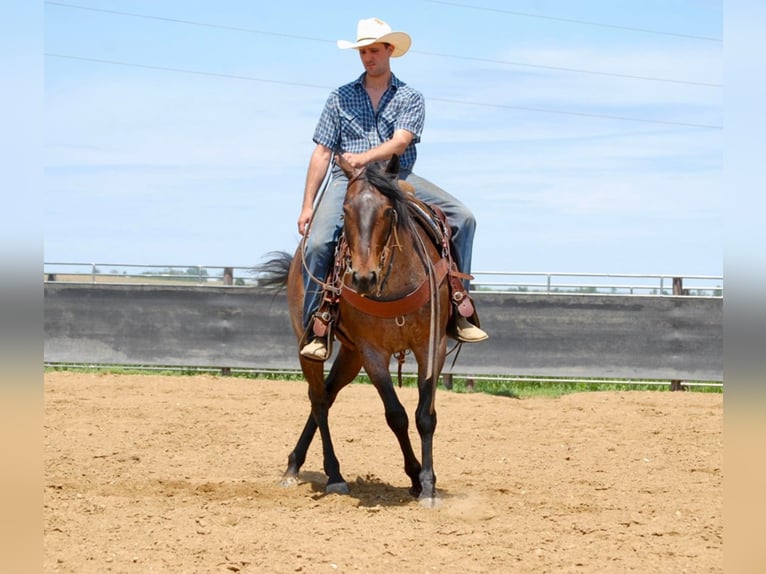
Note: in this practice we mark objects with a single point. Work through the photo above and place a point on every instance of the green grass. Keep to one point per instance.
(551, 387)
(511, 387)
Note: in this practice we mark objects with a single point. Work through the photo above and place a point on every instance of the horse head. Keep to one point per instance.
(372, 210)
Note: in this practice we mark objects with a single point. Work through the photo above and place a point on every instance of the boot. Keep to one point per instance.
(316, 349)
(465, 332)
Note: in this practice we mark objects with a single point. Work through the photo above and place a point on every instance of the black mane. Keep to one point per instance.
(388, 185)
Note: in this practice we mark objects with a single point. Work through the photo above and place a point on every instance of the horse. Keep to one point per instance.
(392, 298)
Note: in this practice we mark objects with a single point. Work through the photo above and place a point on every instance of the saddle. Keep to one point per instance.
(433, 220)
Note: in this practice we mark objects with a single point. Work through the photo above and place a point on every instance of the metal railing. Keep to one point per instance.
(599, 283)
(130, 273)
(484, 281)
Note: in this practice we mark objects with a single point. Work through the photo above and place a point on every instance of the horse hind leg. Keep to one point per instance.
(317, 420)
(295, 460)
(298, 456)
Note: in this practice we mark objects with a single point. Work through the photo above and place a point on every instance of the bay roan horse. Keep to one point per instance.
(393, 298)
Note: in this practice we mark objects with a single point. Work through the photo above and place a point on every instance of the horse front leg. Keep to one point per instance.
(344, 370)
(425, 420)
(335, 481)
(398, 422)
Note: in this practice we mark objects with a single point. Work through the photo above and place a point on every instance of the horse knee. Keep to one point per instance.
(426, 422)
(397, 419)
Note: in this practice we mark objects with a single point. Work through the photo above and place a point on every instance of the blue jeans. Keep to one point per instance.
(327, 224)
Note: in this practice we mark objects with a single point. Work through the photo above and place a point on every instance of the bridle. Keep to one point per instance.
(390, 244)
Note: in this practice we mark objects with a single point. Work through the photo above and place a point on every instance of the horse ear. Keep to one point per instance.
(393, 165)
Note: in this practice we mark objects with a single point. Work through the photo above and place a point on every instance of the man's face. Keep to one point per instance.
(375, 58)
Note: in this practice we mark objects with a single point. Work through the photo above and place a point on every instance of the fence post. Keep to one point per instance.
(228, 276)
(678, 289)
(447, 381)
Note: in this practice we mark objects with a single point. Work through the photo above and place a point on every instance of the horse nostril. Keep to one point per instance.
(364, 282)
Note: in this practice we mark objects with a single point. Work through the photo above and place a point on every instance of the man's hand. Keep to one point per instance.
(304, 218)
(355, 160)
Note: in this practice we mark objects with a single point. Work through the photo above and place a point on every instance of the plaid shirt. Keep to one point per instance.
(349, 124)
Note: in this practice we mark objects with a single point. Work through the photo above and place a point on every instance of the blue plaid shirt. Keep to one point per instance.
(349, 124)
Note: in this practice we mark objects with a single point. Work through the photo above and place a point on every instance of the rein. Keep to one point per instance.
(327, 286)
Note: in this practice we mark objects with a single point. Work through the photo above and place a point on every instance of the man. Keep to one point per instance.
(368, 120)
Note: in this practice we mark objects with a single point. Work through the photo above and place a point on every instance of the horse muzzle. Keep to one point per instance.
(365, 283)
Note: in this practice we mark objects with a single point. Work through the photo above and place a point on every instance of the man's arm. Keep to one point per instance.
(396, 145)
(318, 164)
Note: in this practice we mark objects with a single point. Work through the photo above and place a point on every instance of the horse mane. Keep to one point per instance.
(388, 185)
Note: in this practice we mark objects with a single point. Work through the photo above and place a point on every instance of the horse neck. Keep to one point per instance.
(411, 254)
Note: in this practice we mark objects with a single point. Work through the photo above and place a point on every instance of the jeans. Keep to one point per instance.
(327, 224)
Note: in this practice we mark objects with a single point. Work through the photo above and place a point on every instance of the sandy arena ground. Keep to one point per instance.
(163, 474)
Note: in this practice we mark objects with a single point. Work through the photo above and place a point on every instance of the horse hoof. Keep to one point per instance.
(429, 502)
(337, 488)
(289, 481)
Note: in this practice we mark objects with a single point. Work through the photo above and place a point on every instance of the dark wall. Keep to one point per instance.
(556, 335)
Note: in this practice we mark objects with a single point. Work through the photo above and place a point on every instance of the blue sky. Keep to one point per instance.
(586, 136)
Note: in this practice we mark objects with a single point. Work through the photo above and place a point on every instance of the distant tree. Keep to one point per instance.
(196, 271)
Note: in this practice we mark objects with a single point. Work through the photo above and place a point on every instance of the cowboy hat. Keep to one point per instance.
(372, 31)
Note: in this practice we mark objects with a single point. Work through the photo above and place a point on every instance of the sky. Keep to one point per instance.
(585, 136)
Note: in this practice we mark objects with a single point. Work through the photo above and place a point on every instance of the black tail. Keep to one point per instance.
(272, 275)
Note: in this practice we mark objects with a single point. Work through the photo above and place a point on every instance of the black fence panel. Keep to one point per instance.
(599, 336)
(147, 325)
(530, 334)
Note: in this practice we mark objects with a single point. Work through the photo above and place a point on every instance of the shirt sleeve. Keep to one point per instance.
(413, 115)
(327, 132)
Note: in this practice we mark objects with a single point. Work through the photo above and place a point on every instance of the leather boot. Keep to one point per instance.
(466, 332)
(316, 349)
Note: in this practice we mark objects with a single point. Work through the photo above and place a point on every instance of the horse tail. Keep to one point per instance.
(272, 274)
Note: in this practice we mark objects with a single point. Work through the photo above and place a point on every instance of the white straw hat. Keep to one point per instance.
(374, 30)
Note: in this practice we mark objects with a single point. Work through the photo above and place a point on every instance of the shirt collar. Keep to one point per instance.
(395, 82)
